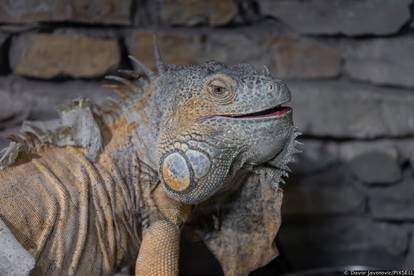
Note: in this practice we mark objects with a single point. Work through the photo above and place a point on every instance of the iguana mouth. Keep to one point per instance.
(269, 113)
(276, 111)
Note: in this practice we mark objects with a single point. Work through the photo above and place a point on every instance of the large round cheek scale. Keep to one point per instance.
(176, 172)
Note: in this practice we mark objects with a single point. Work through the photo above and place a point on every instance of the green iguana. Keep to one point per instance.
(203, 146)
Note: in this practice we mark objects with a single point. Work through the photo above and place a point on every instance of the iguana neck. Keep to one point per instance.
(134, 133)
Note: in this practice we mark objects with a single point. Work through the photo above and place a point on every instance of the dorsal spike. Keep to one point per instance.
(266, 71)
(129, 84)
(157, 54)
(130, 73)
(148, 72)
(120, 91)
(16, 139)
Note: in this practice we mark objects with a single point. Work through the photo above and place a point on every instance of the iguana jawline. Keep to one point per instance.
(273, 112)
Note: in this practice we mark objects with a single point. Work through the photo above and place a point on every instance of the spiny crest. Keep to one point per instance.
(77, 125)
(279, 166)
(131, 84)
(266, 71)
(158, 60)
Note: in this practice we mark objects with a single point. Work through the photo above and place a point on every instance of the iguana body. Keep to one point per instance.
(89, 196)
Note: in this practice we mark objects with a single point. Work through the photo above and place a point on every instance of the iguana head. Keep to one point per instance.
(215, 121)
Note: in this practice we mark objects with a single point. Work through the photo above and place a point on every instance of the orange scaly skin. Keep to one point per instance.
(161, 241)
(112, 186)
(78, 217)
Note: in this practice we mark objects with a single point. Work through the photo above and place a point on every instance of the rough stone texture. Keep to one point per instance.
(400, 149)
(230, 47)
(409, 261)
(395, 202)
(376, 167)
(95, 11)
(37, 100)
(3, 142)
(51, 55)
(193, 12)
(295, 57)
(176, 48)
(316, 156)
(11, 108)
(355, 17)
(14, 259)
(411, 159)
(344, 109)
(329, 192)
(382, 61)
(323, 242)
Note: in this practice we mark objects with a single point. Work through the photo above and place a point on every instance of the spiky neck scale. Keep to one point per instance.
(133, 124)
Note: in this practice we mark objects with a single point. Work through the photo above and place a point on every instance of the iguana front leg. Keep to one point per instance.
(160, 247)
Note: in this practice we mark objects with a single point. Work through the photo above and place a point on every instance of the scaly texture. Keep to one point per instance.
(160, 250)
(87, 194)
(69, 213)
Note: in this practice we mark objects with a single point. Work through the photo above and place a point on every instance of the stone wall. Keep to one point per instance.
(349, 64)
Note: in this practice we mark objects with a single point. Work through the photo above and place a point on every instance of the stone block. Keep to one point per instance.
(395, 203)
(51, 55)
(399, 149)
(411, 159)
(146, 13)
(37, 100)
(81, 11)
(176, 48)
(231, 48)
(338, 241)
(317, 155)
(194, 12)
(10, 107)
(340, 17)
(381, 61)
(376, 167)
(329, 192)
(348, 110)
(409, 260)
(3, 143)
(295, 57)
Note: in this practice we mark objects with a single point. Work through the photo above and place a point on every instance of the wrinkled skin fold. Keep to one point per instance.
(248, 223)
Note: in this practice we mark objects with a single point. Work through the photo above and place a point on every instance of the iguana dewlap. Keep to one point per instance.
(111, 186)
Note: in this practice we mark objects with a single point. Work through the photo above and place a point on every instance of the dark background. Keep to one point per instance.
(349, 64)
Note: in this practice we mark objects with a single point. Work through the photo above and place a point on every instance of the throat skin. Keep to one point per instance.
(135, 132)
(134, 135)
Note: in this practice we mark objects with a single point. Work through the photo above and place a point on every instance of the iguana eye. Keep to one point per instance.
(218, 90)
(221, 91)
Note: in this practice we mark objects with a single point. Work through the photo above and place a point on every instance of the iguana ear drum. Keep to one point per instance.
(181, 169)
(176, 172)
